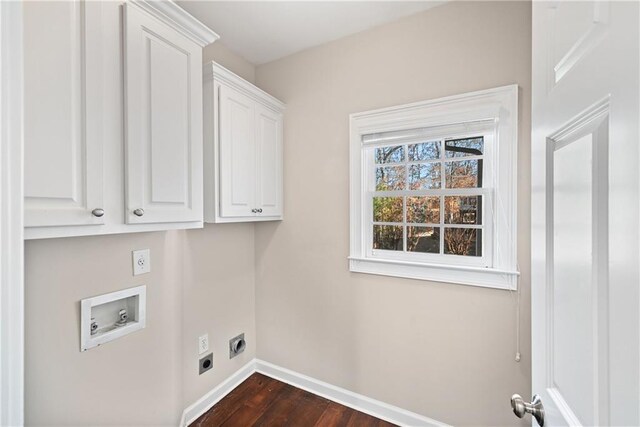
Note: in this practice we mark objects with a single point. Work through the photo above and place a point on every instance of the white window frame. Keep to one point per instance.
(487, 130)
(492, 113)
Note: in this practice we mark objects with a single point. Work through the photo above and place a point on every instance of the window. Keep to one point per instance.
(427, 197)
(433, 189)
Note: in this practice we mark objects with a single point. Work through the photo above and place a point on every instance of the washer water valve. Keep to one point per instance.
(94, 326)
(122, 318)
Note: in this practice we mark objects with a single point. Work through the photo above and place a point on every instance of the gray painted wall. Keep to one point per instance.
(427, 347)
(439, 349)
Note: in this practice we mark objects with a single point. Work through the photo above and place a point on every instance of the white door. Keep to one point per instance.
(163, 127)
(269, 162)
(237, 154)
(62, 114)
(585, 227)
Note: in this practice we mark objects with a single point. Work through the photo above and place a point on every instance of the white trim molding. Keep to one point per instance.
(214, 71)
(492, 111)
(202, 405)
(356, 401)
(11, 217)
(179, 19)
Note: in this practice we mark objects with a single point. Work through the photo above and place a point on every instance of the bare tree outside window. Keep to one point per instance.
(439, 223)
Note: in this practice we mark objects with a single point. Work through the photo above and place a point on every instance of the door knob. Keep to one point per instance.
(138, 212)
(98, 212)
(535, 408)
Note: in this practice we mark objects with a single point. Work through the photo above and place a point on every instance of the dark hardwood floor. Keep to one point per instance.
(263, 401)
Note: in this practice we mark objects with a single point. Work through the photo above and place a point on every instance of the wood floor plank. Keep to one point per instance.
(277, 414)
(262, 401)
(360, 419)
(255, 406)
(219, 413)
(335, 415)
(308, 411)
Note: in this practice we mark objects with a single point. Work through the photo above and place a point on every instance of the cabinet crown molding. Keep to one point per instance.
(179, 19)
(214, 71)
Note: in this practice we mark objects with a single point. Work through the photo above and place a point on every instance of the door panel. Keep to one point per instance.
(63, 93)
(237, 154)
(579, 357)
(163, 122)
(269, 161)
(585, 206)
(573, 356)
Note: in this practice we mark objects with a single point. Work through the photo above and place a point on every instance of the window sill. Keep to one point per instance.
(462, 275)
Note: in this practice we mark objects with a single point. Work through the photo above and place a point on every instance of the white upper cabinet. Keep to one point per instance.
(237, 146)
(243, 149)
(63, 176)
(163, 130)
(268, 161)
(113, 117)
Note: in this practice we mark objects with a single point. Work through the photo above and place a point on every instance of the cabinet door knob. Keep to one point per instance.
(138, 212)
(97, 212)
(260, 210)
(254, 210)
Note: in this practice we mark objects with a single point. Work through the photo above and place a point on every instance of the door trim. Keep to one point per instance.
(11, 217)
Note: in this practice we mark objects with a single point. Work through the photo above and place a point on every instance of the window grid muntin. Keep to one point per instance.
(441, 192)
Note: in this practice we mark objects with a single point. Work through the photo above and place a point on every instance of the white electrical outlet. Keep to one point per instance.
(203, 344)
(141, 261)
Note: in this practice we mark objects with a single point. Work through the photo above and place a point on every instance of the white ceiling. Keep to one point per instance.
(262, 31)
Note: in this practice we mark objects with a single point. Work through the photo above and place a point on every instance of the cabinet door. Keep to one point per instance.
(163, 122)
(269, 162)
(63, 182)
(237, 154)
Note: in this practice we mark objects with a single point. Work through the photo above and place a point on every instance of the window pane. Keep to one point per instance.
(424, 176)
(423, 209)
(424, 151)
(464, 147)
(387, 209)
(390, 154)
(390, 178)
(463, 241)
(463, 174)
(423, 239)
(388, 237)
(462, 209)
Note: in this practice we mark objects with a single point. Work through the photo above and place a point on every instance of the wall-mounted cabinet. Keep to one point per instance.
(243, 149)
(63, 157)
(163, 128)
(98, 72)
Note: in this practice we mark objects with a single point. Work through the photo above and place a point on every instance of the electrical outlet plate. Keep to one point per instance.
(141, 261)
(205, 363)
(203, 344)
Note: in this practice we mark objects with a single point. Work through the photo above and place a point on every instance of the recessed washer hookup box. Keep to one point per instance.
(106, 317)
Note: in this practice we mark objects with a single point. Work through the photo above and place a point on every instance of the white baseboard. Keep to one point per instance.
(194, 411)
(356, 401)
